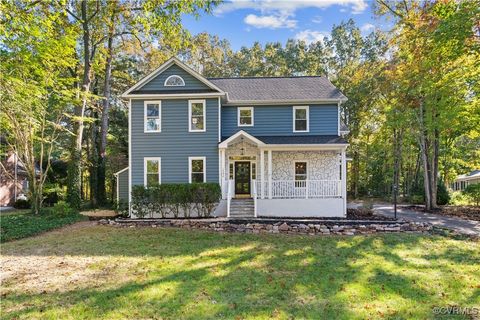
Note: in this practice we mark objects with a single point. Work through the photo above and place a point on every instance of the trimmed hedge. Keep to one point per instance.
(172, 199)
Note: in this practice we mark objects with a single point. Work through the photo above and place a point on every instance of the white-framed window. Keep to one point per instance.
(152, 171)
(153, 116)
(196, 116)
(245, 116)
(196, 169)
(301, 119)
(301, 169)
(174, 81)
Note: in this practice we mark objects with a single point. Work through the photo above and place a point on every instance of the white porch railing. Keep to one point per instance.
(304, 189)
(230, 186)
(254, 195)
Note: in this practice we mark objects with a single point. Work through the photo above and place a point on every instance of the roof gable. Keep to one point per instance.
(154, 82)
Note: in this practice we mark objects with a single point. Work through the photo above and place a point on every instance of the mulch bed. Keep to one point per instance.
(462, 212)
(365, 214)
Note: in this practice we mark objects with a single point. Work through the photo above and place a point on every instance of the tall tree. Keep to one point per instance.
(100, 20)
(36, 88)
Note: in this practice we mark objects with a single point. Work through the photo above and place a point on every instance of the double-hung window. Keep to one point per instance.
(153, 116)
(300, 119)
(152, 171)
(196, 116)
(245, 116)
(196, 170)
(300, 174)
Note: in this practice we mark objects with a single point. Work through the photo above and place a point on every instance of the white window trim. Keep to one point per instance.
(295, 164)
(307, 108)
(190, 168)
(238, 116)
(145, 103)
(170, 85)
(190, 102)
(145, 169)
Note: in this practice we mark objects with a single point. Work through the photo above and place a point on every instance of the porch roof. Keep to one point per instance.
(295, 140)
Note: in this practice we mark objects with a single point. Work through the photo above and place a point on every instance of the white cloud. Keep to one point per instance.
(288, 7)
(310, 36)
(367, 27)
(270, 21)
(317, 19)
(279, 13)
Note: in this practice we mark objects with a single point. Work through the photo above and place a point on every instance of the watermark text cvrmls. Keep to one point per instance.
(456, 310)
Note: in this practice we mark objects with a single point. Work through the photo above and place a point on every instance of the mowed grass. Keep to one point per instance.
(87, 271)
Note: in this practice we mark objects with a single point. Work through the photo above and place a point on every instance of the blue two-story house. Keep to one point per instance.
(274, 144)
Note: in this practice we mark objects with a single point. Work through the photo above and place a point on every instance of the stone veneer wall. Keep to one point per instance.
(321, 165)
(314, 228)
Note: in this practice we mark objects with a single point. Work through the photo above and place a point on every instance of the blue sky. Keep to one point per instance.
(243, 22)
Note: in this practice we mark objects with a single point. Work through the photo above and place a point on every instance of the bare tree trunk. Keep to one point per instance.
(423, 143)
(397, 154)
(105, 109)
(74, 169)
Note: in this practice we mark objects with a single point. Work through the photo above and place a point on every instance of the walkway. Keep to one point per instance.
(470, 227)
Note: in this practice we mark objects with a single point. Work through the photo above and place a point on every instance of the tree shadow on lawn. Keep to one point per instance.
(229, 275)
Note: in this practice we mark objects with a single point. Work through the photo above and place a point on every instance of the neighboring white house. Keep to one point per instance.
(462, 181)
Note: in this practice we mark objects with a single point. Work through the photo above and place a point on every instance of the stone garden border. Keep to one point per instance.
(304, 227)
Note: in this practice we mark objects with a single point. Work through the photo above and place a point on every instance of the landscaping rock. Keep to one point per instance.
(344, 228)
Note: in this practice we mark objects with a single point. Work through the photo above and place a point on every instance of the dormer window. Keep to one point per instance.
(174, 81)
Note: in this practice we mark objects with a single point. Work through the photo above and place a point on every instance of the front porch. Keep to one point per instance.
(294, 180)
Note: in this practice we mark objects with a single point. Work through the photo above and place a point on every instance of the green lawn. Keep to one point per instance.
(21, 223)
(100, 272)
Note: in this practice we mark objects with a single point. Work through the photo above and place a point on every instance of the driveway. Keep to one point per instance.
(470, 227)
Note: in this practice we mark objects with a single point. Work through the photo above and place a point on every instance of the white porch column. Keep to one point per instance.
(262, 173)
(222, 172)
(344, 182)
(269, 174)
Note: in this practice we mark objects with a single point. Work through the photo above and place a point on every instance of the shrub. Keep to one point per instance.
(22, 204)
(458, 198)
(472, 191)
(443, 197)
(121, 208)
(63, 209)
(170, 198)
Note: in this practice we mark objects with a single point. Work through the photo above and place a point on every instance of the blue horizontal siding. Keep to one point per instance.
(174, 144)
(190, 81)
(278, 121)
(122, 180)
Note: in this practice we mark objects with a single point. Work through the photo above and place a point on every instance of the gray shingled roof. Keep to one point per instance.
(318, 139)
(278, 88)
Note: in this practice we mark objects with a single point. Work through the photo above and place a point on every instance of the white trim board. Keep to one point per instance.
(118, 172)
(279, 102)
(173, 96)
(190, 168)
(165, 66)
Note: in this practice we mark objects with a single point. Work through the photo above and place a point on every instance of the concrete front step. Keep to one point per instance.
(242, 208)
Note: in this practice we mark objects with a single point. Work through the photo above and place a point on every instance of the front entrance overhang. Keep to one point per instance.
(237, 137)
(298, 144)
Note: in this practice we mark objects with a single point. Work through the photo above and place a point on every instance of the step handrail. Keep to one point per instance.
(229, 196)
(254, 195)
